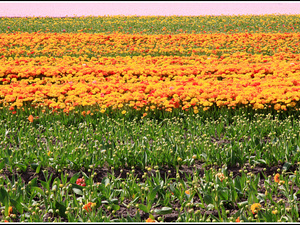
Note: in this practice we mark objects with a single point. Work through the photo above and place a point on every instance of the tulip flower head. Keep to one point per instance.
(255, 208)
(277, 178)
(149, 220)
(220, 176)
(10, 209)
(88, 206)
(30, 118)
(81, 182)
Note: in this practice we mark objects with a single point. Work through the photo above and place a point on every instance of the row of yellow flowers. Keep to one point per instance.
(99, 44)
(196, 82)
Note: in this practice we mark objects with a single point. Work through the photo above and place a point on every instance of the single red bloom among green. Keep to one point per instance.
(81, 182)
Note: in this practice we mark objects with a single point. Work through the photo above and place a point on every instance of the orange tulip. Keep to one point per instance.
(149, 220)
(88, 206)
(277, 178)
(10, 209)
(30, 118)
(255, 208)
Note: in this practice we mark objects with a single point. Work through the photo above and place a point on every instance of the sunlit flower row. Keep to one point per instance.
(150, 83)
(42, 69)
(120, 44)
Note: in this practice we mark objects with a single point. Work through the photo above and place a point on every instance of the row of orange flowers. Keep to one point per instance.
(197, 82)
(99, 44)
(236, 64)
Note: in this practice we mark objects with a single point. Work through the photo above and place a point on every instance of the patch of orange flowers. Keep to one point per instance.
(24, 44)
(218, 73)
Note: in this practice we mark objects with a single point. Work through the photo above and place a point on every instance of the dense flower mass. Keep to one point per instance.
(119, 44)
(165, 82)
(119, 71)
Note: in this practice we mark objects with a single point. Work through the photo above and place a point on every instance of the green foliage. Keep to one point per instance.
(153, 24)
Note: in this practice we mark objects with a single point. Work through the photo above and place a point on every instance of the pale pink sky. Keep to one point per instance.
(140, 8)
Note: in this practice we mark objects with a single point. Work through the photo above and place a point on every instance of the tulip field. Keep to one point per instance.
(150, 119)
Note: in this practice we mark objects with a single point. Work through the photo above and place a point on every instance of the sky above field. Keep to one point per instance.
(143, 8)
